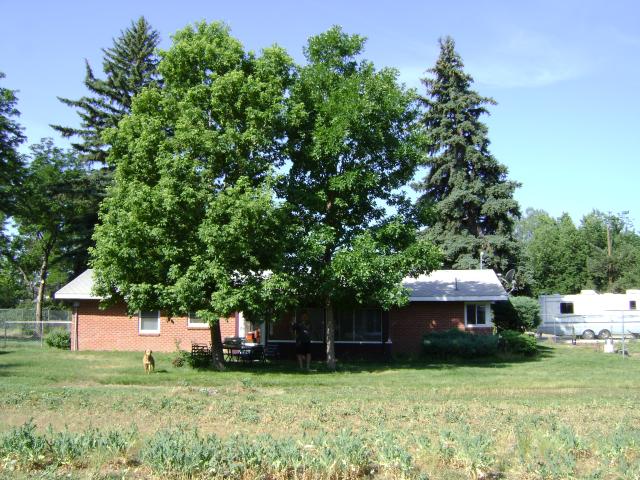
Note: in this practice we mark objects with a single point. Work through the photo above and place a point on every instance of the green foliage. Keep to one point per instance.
(130, 65)
(517, 343)
(353, 140)
(563, 258)
(58, 338)
(192, 205)
(51, 215)
(519, 313)
(455, 343)
(468, 202)
(11, 137)
(24, 448)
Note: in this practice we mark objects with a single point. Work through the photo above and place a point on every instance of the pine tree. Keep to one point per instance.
(130, 65)
(11, 137)
(467, 199)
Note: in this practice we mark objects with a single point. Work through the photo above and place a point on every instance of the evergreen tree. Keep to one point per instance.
(467, 200)
(129, 66)
(11, 163)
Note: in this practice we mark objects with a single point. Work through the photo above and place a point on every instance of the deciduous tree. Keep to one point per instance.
(52, 204)
(190, 223)
(352, 141)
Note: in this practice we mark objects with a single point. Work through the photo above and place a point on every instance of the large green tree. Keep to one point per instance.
(352, 141)
(129, 66)
(555, 252)
(467, 199)
(190, 223)
(613, 252)
(52, 204)
(11, 137)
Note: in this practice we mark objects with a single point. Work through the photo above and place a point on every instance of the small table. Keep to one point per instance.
(243, 352)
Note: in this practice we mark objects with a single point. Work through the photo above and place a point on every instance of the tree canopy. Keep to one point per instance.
(353, 141)
(11, 137)
(191, 206)
(467, 199)
(129, 65)
(601, 253)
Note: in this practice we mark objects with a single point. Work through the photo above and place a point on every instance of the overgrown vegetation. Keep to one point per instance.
(74, 413)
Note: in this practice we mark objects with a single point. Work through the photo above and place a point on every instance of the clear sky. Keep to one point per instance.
(565, 73)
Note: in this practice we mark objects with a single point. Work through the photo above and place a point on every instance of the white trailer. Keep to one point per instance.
(588, 314)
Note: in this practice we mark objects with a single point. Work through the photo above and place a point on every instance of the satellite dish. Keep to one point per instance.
(509, 276)
(508, 281)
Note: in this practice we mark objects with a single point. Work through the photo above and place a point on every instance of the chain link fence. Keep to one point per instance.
(18, 325)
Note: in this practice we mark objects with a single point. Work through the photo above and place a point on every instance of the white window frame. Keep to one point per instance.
(192, 324)
(147, 332)
(487, 315)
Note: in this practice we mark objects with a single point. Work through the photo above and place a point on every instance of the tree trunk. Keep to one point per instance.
(217, 357)
(44, 271)
(330, 336)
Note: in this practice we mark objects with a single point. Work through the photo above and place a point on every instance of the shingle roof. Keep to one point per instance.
(439, 286)
(78, 289)
(456, 285)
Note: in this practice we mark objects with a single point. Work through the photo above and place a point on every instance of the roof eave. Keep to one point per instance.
(454, 298)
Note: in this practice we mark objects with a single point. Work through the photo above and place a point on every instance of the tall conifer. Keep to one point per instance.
(129, 66)
(467, 197)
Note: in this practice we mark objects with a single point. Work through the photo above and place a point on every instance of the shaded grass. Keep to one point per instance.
(455, 418)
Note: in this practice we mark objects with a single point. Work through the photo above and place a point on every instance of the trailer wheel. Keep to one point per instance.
(604, 334)
(588, 335)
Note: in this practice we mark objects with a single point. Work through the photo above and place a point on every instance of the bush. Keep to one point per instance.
(456, 343)
(58, 338)
(517, 343)
(519, 313)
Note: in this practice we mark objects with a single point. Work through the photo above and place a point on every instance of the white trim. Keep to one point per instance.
(487, 315)
(147, 332)
(191, 324)
(453, 298)
(75, 296)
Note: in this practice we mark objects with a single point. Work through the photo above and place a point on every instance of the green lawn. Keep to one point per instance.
(571, 413)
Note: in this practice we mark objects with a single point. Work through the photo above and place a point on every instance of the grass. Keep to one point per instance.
(570, 413)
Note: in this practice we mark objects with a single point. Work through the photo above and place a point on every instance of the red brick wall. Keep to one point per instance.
(113, 329)
(407, 325)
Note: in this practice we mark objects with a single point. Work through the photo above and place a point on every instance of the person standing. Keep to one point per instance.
(303, 341)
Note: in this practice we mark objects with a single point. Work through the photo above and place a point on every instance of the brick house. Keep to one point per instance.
(443, 300)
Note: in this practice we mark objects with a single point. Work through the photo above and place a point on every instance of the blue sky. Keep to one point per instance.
(564, 73)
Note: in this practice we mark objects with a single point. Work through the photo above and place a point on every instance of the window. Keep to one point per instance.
(476, 314)
(566, 307)
(632, 304)
(194, 322)
(281, 329)
(149, 322)
(359, 326)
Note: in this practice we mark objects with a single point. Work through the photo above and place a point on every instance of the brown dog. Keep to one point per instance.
(148, 362)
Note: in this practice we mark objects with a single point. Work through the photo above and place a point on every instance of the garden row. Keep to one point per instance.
(186, 453)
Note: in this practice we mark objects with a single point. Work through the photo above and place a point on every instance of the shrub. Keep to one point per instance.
(517, 343)
(519, 313)
(456, 343)
(58, 338)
